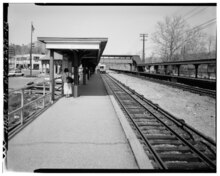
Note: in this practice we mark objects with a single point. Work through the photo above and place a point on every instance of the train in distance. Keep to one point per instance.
(102, 68)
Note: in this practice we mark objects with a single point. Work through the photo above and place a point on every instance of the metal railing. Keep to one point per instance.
(26, 103)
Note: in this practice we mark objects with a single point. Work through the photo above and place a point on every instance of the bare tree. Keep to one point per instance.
(172, 35)
(39, 48)
(211, 44)
(195, 45)
(151, 57)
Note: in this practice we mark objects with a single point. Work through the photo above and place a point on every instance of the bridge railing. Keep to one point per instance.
(26, 103)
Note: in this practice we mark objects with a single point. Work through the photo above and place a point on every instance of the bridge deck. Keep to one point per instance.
(80, 133)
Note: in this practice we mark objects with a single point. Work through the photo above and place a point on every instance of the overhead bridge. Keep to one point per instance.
(122, 62)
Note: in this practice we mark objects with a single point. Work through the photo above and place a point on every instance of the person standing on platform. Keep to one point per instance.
(67, 80)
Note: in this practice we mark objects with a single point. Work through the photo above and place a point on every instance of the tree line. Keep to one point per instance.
(37, 48)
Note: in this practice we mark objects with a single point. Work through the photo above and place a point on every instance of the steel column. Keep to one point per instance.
(84, 75)
(88, 73)
(156, 68)
(178, 69)
(196, 70)
(76, 74)
(165, 69)
(52, 74)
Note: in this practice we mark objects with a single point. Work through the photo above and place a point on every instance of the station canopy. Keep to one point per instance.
(89, 50)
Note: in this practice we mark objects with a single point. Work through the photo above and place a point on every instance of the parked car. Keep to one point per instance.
(58, 81)
(15, 73)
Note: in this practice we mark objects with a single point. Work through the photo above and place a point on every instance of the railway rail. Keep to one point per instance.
(194, 89)
(211, 93)
(198, 90)
(170, 144)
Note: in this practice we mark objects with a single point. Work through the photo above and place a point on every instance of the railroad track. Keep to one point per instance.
(201, 91)
(170, 144)
(211, 93)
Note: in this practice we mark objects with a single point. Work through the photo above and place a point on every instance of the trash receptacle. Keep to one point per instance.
(75, 91)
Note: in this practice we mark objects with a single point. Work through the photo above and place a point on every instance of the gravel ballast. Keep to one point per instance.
(199, 111)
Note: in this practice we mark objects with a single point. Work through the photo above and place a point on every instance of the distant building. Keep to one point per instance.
(23, 61)
(11, 58)
(58, 60)
(11, 62)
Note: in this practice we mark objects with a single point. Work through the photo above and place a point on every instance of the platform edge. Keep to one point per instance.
(142, 159)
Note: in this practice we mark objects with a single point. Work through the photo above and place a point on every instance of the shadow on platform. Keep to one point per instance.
(94, 87)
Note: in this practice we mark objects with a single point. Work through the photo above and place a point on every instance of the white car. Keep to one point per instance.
(59, 81)
(15, 73)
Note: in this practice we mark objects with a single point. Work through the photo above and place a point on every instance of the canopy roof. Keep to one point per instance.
(184, 62)
(89, 49)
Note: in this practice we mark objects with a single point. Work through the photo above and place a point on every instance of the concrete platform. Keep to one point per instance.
(74, 133)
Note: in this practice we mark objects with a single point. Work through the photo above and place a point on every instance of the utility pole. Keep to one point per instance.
(32, 30)
(144, 38)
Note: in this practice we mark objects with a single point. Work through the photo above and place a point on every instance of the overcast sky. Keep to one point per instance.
(122, 25)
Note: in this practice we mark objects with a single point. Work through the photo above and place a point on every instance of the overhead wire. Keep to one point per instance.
(201, 26)
(207, 25)
(198, 12)
(195, 12)
(204, 24)
(189, 12)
